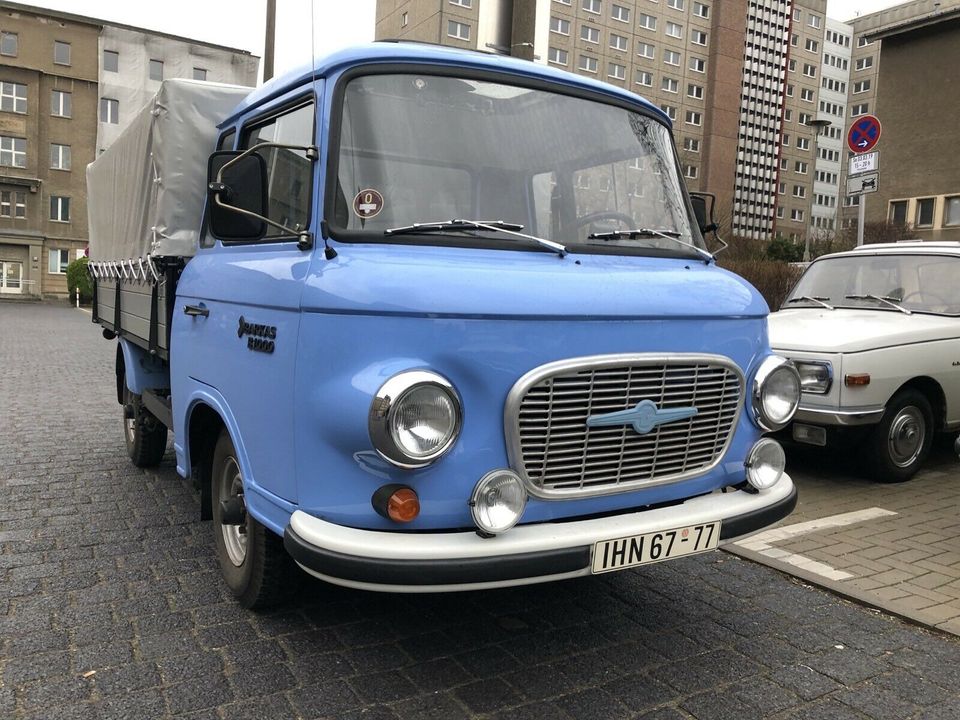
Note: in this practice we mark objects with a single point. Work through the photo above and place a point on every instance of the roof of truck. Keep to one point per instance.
(411, 53)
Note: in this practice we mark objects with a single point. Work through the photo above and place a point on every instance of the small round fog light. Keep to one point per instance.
(498, 501)
(765, 464)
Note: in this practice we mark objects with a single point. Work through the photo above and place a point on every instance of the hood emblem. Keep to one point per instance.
(644, 416)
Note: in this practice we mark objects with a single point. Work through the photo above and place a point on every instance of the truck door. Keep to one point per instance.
(237, 316)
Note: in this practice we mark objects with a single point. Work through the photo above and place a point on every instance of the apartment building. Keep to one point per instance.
(48, 128)
(68, 84)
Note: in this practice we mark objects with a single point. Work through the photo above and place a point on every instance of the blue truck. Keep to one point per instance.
(429, 320)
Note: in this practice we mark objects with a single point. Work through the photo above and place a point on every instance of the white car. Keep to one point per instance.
(875, 335)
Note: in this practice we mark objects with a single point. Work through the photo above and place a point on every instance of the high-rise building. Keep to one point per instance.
(59, 73)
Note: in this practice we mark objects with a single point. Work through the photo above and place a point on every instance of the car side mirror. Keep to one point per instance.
(237, 192)
(703, 210)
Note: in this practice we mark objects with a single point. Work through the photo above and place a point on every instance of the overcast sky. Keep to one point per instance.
(337, 23)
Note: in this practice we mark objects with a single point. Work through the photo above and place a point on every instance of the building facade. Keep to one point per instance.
(48, 128)
(67, 85)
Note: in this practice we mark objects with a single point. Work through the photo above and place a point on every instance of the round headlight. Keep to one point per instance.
(765, 464)
(776, 393)
(498, 501)
(415, 418)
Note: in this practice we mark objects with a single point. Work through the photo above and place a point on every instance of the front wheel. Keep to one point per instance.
(901, 441)
(146, 437)
(252, 560)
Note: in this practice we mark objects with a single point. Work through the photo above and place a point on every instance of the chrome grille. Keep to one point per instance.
(559, 456)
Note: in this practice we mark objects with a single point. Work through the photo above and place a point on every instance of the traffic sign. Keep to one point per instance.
(868, 162)
(863, 184)
(863, 134)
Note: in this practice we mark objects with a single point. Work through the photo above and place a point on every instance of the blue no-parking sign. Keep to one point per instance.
(863, 134)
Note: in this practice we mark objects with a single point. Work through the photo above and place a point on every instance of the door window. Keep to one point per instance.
(11, 277)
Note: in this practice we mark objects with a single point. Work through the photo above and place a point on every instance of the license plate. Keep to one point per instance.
(810, 434)
(609, 555)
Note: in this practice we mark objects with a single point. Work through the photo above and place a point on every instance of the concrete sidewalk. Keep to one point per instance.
(894, 547)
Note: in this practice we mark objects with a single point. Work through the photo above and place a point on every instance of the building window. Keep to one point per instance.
(591, 6)
(462, 3)
(646, 50)
(557, 56)
(690, 172)
(788, 115)
(156, 69)
(60, 103)
(59, 157)
(860, 109)
(806, 94)
(792, 66)
(13, 151)
(199, 74)
(800, 167)
(675, 4)
(644, 78)
(812, 45)
(559, 26)
(562, 2)
(404, 19)
(13, 97)
(803, 143)
(814, 21)
(863, 42)
(693, 118)
(669, 85)
(670, 110)
(781, 188)
(59, 208)
(458, 30)
(61, 52)
(698, 65)
(111, 61)
(789, 90)
(671, 57)
(780, 212)
(59, 259)
(618, 42)
(13, 204)
(861, 87)
(587, 64)
(9, 43)
(898, 212)
(864, 63)
(674, 30)
(648, 22)
(804, 118)
(620, 13)
(795, 40)
(925, 208)
(617, 71)
(109, 111)
(698, 37)
(691, 144)
(799, 191)
(796, 215)
(695, 91)
(951, 210)
(809, 70)
(589, 34)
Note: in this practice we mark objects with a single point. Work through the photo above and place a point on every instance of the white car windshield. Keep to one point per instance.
(427, 149)
(923, 283)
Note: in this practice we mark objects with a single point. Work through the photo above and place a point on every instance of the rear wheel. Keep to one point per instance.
(901, 441)
(252, 560)
(146, 437)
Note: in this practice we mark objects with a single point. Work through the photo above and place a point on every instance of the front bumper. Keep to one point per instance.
(841, 418)
(452, 561)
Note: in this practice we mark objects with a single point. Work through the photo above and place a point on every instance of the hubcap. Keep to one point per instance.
(234, 536)
(906, 437)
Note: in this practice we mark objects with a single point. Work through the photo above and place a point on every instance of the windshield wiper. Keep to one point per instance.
(649, 232)
(488, 225)
(811, 298)
(887, 300)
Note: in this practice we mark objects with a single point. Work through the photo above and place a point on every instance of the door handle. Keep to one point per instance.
(195, 311)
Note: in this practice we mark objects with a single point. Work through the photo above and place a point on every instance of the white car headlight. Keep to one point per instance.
(776, 393)
(815, 377)
(415, 418)
(765, 464)
(498, 501)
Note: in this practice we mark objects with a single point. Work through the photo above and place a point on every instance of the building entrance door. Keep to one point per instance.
(11, 277)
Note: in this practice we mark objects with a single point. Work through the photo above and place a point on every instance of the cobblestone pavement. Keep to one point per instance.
(111, 606)
(905, 560)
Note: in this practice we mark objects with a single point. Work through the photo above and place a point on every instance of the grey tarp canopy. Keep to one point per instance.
(145, 194)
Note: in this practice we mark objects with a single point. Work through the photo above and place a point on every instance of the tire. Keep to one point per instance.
(901, 441)
(146, 437)
(252, 560)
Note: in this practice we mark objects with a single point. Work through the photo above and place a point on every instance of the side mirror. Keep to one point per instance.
(237, 196)
(703, 210)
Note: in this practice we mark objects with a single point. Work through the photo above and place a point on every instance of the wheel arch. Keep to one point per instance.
(204, 425)
(933, 392)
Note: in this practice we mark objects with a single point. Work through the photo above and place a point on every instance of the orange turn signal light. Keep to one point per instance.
(854, 380)
(396, 502)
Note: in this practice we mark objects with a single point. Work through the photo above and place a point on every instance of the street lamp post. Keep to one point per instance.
(819, 124)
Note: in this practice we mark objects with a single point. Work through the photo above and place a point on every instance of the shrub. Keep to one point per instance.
(784, 250)
(772, 278)
(77, 276)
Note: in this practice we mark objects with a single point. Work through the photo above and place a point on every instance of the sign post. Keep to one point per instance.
(862, 137)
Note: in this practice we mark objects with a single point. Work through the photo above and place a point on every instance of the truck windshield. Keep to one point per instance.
(430, 149)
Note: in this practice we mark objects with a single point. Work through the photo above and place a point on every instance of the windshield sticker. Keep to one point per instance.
(367, 203)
